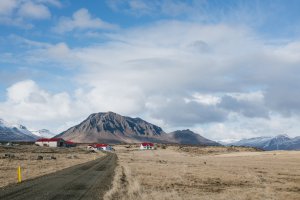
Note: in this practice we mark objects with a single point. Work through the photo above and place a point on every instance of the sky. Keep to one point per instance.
(225, 69)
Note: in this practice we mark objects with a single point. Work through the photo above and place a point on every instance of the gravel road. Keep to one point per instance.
(85, 181)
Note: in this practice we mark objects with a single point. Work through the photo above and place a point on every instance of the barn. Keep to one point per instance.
(146, 145)
(51, 142)
(104, 147)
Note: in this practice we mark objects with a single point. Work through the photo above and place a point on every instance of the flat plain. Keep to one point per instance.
(174, 172)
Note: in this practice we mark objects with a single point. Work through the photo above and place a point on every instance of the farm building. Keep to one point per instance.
(52, 142)
(104, 147)
(146, 145)
(70, 144)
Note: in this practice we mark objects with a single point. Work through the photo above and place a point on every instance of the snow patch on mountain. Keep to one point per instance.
(43, 133)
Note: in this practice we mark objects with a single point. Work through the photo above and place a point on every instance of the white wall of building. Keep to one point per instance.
(48, 144)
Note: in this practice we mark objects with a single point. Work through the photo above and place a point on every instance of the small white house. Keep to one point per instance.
(52, 142)
(104, 147)
(146, 146)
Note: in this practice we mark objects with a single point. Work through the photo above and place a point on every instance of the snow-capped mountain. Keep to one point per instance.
(15, 132)
(43, 133)
(279, 142)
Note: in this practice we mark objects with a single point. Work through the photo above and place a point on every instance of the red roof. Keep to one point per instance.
(49, 139)
(69, 142)
(98, 145)
(147, 144)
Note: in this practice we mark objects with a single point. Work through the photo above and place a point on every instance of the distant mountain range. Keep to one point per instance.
(17, 132)
(111, 127)
(279, 142)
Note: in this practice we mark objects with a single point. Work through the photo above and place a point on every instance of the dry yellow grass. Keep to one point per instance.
(174, 173)
(26, 157)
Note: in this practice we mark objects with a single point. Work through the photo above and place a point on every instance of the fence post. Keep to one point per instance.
(19, 175)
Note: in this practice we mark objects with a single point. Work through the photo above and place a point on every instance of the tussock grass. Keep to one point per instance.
(126, 187)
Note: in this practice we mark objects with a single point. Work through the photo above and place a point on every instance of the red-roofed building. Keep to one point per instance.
(147, 145)
(51, 142)
(104, 147)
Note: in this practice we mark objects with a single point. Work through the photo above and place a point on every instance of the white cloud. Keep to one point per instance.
(34, 11)
(205, 99)
(59, 51)
(7, 6)
(153, 7)
(55, 3)
(20, 13)
(257, 96)
(81, 20)
(28, 102)
(238, 127)
(184, 74)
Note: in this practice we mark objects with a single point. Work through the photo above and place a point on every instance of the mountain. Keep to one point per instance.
(15, 132)
(189, 137)
(279, 142)
(43, 133)
(113, 128)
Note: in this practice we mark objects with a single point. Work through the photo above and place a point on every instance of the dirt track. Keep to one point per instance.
(85, 181)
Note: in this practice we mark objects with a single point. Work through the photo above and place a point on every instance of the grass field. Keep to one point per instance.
(206, 173)
(37, 161)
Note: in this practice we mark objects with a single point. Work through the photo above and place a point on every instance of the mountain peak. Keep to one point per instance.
(112, 127)
(189, 137)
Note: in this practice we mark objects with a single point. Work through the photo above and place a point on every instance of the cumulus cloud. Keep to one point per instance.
(27, 101)
(34, 11)
(19, 12)
(81, 20)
